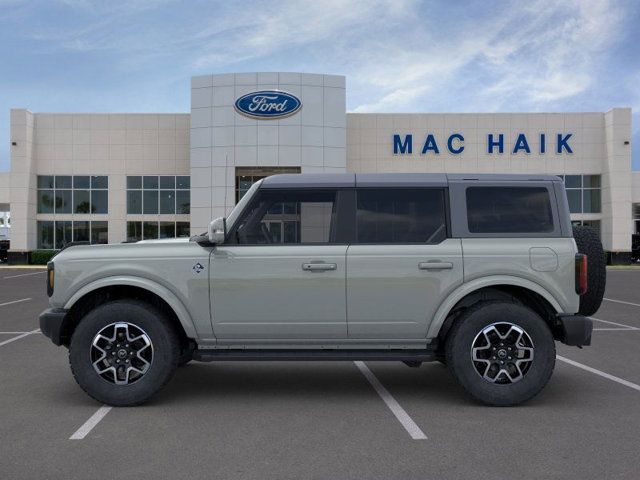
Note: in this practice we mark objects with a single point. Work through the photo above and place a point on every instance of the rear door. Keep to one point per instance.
(402, 262)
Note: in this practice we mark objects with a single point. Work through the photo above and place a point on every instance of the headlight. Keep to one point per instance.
(51, 274)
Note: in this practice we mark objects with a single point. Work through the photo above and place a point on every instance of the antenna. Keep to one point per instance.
(226, 157)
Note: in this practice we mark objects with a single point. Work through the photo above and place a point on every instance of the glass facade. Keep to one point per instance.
(73, 194)
(153, 195)
(247, 176)
(55, 234)
(153, 230)
(583, 193)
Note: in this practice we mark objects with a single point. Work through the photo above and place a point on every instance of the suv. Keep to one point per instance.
(479, 272)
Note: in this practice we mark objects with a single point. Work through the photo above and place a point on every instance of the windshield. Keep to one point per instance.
(233, 216)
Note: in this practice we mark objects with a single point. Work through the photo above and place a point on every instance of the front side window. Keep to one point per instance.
(509, 210)
(288, 217)
(400, 216)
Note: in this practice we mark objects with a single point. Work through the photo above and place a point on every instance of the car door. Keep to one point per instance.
(282, 273)
(401, 264)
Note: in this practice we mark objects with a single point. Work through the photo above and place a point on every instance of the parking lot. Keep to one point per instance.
(325, 420)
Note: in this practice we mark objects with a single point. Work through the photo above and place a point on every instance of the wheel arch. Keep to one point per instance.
(518, 289)
(113, 288)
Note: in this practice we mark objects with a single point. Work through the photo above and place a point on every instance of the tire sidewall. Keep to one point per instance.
(460, 362)
(165, 352)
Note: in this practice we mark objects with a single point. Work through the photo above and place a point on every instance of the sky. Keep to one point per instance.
(398, 55)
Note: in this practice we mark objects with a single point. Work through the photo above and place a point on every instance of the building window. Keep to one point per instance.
(153, 194)
(636, 217)
(153, 230)
(583, 193)
(247, 176)
(67, 194)
(56, 234)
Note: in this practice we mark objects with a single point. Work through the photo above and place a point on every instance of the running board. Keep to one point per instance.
(212, 355)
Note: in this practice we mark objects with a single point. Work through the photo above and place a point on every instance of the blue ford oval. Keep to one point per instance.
(268, 104)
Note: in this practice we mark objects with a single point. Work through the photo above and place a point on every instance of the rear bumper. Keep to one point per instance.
(575, 330)
(51, 321)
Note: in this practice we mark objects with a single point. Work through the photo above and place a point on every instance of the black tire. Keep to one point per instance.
(588, 242)
(166, 352)
(458, 349)
(185, 357)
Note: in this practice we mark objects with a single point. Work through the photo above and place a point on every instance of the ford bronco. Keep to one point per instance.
(480, 272)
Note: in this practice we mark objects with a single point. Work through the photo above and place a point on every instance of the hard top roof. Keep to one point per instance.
(344, 180)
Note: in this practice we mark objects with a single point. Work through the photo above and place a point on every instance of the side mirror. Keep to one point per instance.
(218, 231)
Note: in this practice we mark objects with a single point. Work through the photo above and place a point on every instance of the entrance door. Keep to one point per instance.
(402, 263)
(282, 273)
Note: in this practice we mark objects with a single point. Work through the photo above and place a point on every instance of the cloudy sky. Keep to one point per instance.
(398, 55)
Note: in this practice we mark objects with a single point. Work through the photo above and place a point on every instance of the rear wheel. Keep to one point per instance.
(123, 352)
(501, 353)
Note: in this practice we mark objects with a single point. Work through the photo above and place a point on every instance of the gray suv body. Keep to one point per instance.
(481, 272)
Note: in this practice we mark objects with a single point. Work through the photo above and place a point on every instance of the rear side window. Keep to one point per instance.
(509, 210)
(401, 216)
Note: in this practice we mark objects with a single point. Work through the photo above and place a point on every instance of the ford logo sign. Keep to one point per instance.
(268, 104)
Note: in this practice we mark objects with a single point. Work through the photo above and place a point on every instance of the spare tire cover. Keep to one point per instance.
(588, 242)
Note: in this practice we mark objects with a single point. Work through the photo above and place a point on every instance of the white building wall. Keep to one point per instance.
(116, 145)
(597, 142)
(22, 195)
(221, 139)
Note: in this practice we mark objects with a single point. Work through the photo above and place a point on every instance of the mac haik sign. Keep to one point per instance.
(495, 143)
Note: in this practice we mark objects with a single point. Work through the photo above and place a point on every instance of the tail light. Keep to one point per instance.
(50, 278)
(581, 273)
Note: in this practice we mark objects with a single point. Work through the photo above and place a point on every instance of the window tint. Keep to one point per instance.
(401, 216)
(509, 210)
(289, 217)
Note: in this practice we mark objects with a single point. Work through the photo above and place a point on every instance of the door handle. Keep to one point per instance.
(435, 265)
(318, 267)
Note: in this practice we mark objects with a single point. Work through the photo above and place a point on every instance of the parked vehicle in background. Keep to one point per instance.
(481, 272)
(4, 248)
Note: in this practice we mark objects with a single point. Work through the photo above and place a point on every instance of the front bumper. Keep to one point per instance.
(575, 330)
(51, 323)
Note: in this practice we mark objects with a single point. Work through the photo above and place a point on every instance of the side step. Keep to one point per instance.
(313, 355)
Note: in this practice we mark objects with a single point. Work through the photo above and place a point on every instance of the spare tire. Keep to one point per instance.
(588, 242)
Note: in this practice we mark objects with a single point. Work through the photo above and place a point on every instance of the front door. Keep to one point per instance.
(402, 263)
(281, 274)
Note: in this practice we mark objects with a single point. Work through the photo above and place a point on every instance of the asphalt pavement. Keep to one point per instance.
(320, 420)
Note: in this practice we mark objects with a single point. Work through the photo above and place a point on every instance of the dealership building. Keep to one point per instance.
(109, 178)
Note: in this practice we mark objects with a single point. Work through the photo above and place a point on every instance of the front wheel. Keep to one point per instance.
(501, 353)
(123, 352)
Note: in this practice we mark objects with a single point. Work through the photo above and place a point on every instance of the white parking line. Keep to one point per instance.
(403, 417)
(17, 333)
(620, 301)
(19, 337)
(613, 378)
(614, 329)
(84, 430)
(23, 275)
(15, 301)
(626, 327)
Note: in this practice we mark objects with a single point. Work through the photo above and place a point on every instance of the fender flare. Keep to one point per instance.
(470, 287)
(164, 293)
